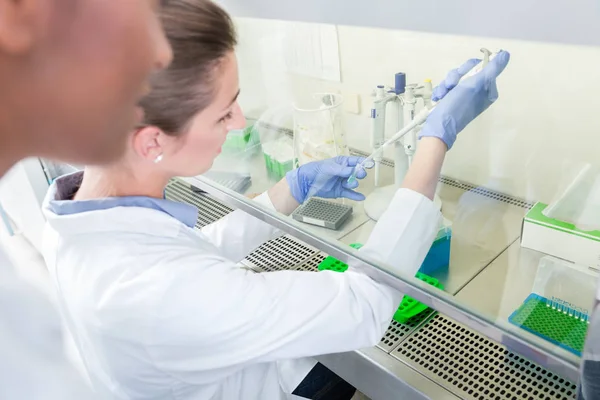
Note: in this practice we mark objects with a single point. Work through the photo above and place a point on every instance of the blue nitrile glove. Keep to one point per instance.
(327, 178)
(462, 103)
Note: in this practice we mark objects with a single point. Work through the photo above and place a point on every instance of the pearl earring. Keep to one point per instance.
(158, 159)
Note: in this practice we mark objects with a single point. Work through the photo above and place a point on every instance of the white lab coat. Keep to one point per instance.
(161, 311)
(33, 364)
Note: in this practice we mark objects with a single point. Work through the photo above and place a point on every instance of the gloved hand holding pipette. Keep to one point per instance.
(327, 178)
(463, 102)
(465, 93)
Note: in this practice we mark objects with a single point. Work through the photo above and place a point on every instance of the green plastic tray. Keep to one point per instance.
(408, 308)
(564, 328)
(411, 307)
(333, 264)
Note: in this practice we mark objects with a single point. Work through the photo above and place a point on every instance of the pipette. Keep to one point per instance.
(421, 116)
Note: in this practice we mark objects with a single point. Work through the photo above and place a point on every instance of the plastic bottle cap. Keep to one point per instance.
(400, 83)
(428, 80)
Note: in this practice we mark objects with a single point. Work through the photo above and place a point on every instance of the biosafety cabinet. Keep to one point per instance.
(500, 307)
(498, 311)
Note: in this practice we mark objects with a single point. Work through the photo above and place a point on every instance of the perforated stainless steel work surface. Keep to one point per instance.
(231, 180)
(209, 209)
(397, 332)
(474, 367)
(311, 265)
(279, 254)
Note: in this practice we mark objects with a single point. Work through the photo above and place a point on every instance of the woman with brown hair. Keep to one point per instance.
(161, 311)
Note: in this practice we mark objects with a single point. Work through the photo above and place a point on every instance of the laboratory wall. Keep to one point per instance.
(530, 144)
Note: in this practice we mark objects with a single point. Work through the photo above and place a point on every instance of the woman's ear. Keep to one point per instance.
(148, 143)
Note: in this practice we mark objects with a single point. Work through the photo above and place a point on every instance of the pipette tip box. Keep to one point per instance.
(559, 238)
(323, 213)
(277, 169)
(279, 158)
(559, 325)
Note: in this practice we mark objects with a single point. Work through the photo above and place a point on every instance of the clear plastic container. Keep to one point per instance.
(279, 158)
(567, 285)
(319, 128)
(274, 129)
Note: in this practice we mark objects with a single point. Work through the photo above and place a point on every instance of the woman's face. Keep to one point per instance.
(193, 152)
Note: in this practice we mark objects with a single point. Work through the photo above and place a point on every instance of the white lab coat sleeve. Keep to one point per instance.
(238, 234)
(404, 234)
(221, 318)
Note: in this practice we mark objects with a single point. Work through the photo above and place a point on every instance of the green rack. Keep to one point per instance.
(408, 308)
(560, 325)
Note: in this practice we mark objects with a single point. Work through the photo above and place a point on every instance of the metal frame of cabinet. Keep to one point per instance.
(533, 20)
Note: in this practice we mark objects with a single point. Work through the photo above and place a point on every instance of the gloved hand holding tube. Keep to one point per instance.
(327, 178)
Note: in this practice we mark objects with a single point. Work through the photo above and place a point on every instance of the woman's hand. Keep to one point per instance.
(327, 178)
(460, 103)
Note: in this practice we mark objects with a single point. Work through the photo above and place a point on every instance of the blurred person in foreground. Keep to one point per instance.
(71, 75)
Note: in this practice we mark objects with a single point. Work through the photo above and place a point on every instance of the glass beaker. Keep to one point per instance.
(319, 128)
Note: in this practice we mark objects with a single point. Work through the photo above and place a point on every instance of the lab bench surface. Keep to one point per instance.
(483, 226)
(504, 285)
(436, 357)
